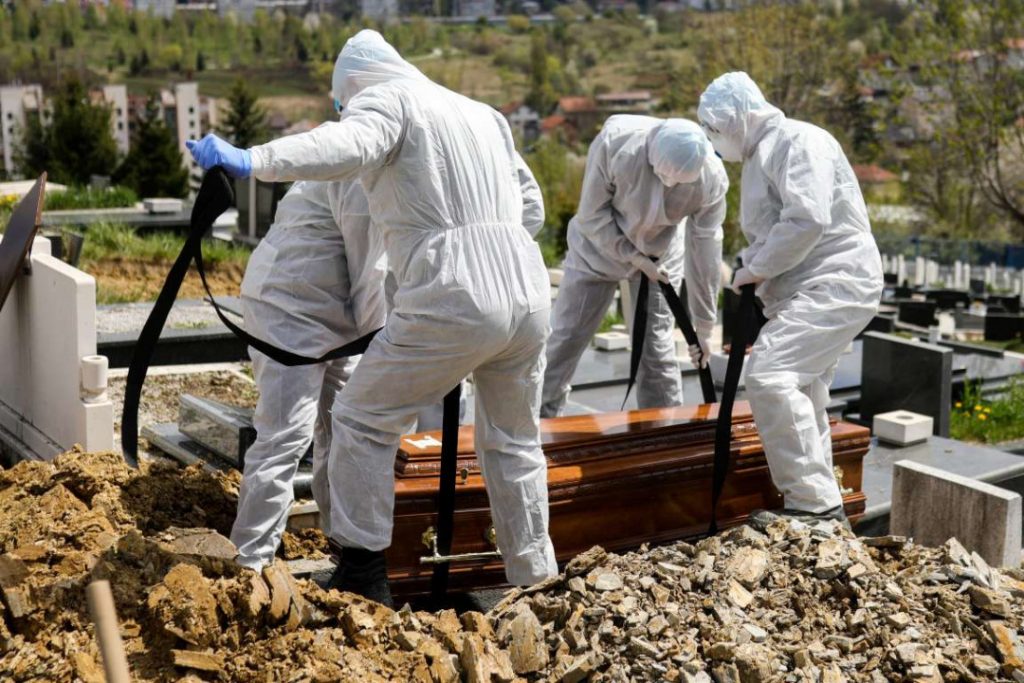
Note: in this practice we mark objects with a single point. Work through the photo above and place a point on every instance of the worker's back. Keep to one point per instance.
(448, 199)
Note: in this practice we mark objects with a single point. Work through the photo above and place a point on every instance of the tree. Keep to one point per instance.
(978, 80)
(153, 167)
(75, 144)
(542, 96)
(246, 122)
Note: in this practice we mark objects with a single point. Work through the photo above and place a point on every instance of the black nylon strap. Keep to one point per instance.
(723, 429)
(353, 348)
(675, 304)
(446, 490)
(639, 333)
(215, 196)
(707, 384)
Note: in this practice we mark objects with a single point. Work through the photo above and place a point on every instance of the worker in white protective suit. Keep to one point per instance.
(817, 270)
(313, 284)
(652, 205)
(457, 207)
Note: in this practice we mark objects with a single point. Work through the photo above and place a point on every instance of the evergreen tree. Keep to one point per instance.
(77, 142)
(246, 122)
(153, 167)
(542, 96)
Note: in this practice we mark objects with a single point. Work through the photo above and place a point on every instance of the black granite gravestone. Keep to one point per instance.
(17, 240)
(881, 323)
(891, 278)
(903, 292)
(977, 286)
(1008, 302)
(1003, 326)
(947, 299)
(919, 313)
(901, 374)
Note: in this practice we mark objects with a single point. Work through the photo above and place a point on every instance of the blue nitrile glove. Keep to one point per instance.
(212, 151)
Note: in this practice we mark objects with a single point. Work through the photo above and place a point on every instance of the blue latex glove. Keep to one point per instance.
(212, 151)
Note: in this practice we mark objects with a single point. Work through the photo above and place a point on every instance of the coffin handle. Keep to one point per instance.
(429, 539)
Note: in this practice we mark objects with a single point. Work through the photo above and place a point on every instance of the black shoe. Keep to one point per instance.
(762, 518)
(363, 572)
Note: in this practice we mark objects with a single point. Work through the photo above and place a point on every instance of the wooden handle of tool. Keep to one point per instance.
(108, 633)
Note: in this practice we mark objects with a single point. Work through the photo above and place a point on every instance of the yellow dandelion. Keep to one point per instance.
(958, 404)
(977, 407)
(988, 410)
(982, 416)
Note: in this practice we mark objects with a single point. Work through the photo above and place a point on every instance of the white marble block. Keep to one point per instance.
(902, 427)
(611, 341)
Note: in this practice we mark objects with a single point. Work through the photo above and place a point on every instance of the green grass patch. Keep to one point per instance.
(610, 320)
(975, 418)
(90, 198)
(108, 241)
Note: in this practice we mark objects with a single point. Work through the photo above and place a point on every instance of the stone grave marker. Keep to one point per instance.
(1003, 326)
(900, 374)
(919, 313)
(931, 506)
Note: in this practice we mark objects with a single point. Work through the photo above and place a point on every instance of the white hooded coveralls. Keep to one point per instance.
(804, 217)
(626, 210)
(314, 283)
(457, 208)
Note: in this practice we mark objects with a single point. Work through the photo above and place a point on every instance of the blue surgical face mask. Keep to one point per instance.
(337, 106)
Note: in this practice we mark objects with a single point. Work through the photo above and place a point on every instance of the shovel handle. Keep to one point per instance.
(108, 633)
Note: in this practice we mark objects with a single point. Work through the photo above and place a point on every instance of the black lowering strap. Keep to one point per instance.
(446, 490)
(215, 196)
(742, 337)
(723, 428)
(707, 384)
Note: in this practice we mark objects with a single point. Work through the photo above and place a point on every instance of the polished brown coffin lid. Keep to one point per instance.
(583, 437)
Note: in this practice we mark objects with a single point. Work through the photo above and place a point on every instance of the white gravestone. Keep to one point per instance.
(52, 383)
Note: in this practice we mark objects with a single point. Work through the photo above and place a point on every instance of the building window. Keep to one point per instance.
(191, 109)
(10, 116)
(120, 125)
(119, 111)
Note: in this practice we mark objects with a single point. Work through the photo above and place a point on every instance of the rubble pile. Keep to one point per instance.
(790, 602)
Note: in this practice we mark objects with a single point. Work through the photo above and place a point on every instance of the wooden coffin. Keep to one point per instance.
(617, 480)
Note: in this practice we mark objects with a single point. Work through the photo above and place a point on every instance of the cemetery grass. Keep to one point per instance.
(997, 420)
(129, 267)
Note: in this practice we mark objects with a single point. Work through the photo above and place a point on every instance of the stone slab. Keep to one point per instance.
(978, 462)
(932, 505)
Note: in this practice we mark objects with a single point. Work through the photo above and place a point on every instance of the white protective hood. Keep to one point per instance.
(735, 115)
(367, 59)
(677, 149)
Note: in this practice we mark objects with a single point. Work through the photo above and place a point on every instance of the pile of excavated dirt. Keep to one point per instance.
(187, 611)
(787, 603)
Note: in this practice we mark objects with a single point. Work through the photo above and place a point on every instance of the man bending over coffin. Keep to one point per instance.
(817, 270)
(457, 208)
(652, 206)
(314, 283)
